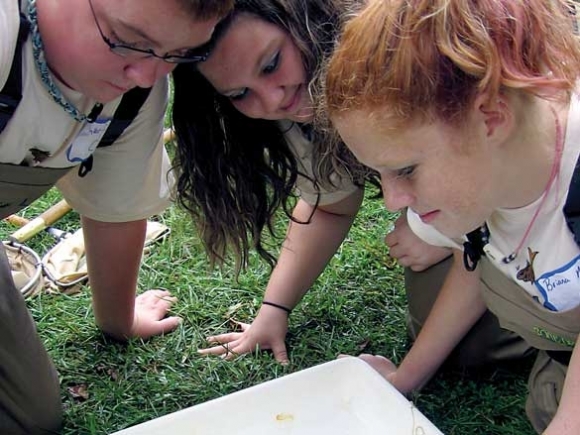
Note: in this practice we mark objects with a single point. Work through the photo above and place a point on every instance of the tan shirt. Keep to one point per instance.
(305, 187)
(129, 180)
(9, 24)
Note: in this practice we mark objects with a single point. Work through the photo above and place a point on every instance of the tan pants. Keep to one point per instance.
(545, 386)
(486, 343)
(542, 328)
(29, 389)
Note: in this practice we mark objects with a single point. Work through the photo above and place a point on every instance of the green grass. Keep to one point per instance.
(358, 302)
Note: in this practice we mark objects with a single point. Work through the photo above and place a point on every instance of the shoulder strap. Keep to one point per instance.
(473, 247)
(125, 114)
(572, 206)
(11, 93)
(127, 111)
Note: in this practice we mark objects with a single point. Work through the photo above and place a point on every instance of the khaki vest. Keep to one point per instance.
(519, 312)
(21, 185)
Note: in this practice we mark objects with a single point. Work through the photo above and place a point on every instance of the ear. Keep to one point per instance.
(496, 116)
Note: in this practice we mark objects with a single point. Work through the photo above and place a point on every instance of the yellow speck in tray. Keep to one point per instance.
(284, 417)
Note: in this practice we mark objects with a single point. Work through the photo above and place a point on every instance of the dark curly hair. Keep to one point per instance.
(234, 172)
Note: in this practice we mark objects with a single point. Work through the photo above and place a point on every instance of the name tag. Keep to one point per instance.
(87, 140)
(561, 287)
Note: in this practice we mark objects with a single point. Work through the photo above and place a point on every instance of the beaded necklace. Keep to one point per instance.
(53, 90)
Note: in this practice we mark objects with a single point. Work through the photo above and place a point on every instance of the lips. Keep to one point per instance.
(295, 98)
(120, 88)
(429, 216)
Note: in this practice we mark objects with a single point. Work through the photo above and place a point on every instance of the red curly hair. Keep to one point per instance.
(432, 57)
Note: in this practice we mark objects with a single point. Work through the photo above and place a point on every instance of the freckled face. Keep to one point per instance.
(445, 176)
(259, 67)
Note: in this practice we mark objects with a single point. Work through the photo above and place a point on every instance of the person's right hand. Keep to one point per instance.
(409, 250)
(267, 331)
(150, 317)
(384, 366)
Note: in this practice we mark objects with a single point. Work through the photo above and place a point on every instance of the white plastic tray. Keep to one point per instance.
(342, 397)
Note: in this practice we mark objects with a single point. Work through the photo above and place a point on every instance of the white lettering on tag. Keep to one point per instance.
(561, 287)
(87, 140)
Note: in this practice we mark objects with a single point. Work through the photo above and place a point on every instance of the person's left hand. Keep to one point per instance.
(151, 307)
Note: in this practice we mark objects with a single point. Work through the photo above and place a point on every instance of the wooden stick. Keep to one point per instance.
(168, 135)
(38, 224)
(16, 220)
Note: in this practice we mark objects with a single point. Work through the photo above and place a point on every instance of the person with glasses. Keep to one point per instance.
(78, 60)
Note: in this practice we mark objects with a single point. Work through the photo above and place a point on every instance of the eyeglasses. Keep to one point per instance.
(125, 50)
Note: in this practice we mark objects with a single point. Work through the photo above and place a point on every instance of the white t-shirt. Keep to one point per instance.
(302, 149)
(130, 179)
(548, 266)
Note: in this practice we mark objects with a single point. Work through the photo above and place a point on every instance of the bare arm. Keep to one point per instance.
(457, 308)
(113, 253)
(305, 253)
(309, 247)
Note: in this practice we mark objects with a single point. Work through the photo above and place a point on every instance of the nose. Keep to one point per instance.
(145, 72)
(396, 193)
(271, 98)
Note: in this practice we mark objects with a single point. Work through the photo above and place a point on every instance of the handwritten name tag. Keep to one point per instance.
(561, 287)
(87, 140)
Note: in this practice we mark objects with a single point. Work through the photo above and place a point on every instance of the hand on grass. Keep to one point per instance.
(151, 309)
(267, 331)
(409, 250)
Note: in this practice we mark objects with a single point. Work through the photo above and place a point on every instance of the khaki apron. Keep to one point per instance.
(554, 333)
(486, 342)
(22, 185)
(29, 389)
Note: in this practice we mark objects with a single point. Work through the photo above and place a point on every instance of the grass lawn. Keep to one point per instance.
(358, 303)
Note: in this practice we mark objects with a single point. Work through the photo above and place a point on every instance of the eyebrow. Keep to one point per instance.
(137, 31)
(154, 43)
